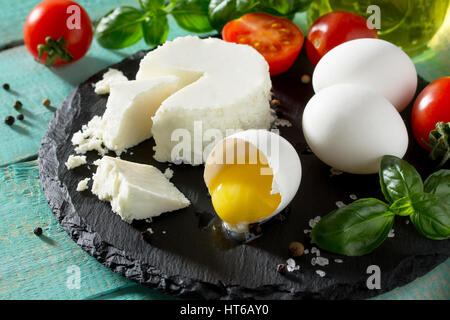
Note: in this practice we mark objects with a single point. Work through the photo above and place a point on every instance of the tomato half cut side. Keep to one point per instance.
(277, 39)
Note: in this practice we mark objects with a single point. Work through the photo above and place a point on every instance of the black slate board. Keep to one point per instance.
(186, 257)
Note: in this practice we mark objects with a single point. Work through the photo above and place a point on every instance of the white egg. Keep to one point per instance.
(374, 63)
(351, 127)
(242, 148)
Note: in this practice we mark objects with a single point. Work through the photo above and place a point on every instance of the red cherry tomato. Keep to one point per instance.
(332, 29)
(431, 106)
(61, 28)
(277, 39)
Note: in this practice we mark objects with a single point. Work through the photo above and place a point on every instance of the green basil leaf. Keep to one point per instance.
(438, 183)
(192, 15)
(120, 28)
(431, 215)
(398, 179)
(282, 7)
(152, 5)
(402, 207)
(155, 29)
(355, 229)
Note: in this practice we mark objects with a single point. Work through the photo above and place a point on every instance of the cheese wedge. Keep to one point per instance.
(225, 87)
(127, 119)
(135, 191)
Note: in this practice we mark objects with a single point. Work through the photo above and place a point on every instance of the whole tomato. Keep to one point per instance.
(58, 32)
(332, 29)
(432, 106)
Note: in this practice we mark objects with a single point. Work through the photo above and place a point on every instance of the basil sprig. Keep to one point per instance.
(362, 226)
(125, 25)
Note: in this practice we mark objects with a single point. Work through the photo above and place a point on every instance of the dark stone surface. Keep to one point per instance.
(186, 257)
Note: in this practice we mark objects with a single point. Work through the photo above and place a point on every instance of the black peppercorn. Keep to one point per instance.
(6, 86)
(20, 117)
(37, 231)
(9, 120)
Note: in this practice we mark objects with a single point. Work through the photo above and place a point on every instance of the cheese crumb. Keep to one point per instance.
(75, 161)
(90, 137)
(110, 77)
(83, 185)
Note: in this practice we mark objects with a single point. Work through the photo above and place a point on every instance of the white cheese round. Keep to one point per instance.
(224, 86)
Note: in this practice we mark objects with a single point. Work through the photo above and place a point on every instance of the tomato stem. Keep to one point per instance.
(55, 49)
(439, 142)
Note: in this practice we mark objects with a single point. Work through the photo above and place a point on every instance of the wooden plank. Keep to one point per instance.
(31, 82)
(12, 17)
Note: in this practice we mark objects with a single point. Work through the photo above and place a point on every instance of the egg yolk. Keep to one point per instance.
(240, 193)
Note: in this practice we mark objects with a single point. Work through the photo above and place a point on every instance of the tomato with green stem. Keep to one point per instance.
(58, 32)
(277, 39)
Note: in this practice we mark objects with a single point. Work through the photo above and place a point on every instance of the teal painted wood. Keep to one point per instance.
(12, 17)
(31, 82)
(34, 267)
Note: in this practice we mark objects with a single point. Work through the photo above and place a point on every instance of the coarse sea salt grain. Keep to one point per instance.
(340, 204)
(291, 265)
(335, 172)
(307, 231)
(353, 197)
(313, 222)
(150, 230)
(391, 233)
(338, 260)
(316, 251)
(321, 261)
(306, 251)
(321, 273)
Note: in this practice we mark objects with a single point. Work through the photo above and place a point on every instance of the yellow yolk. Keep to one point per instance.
(241, 194)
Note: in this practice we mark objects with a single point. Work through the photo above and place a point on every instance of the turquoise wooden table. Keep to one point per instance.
(47, 267)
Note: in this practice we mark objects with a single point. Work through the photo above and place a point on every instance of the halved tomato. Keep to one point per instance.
(277, 39)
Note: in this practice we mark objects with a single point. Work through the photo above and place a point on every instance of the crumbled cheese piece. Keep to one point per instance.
(75, 161)
(307, 231)
(164, 232)
(306, 251)
(391, 233)
(150, 230)
(313, 222)
(321, 273)
(110, 77)
(338, 260)
(291, 265)
(83, 185)
(353, 197)
(168, 173)
(149, 220)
